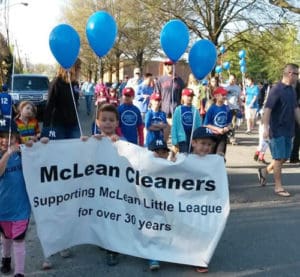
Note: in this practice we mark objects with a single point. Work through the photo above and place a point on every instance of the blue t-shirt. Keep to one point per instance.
(130, 120)
(282, 101)
(14, 200)
(152, 117)
(219, 116)
(252, 92)
(5, 104)
(187, 120)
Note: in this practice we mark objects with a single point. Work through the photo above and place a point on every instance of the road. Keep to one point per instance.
(261, 237)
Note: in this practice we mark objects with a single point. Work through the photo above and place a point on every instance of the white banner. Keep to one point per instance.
(122, 198)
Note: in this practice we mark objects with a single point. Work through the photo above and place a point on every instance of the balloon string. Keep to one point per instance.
(172, 91)
(96, 110)
(193, 127)
(74, 103)
(11, 102)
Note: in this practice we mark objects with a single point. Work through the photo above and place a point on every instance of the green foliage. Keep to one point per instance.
(267, 52)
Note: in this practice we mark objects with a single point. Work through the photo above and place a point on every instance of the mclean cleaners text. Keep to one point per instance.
(53, 173)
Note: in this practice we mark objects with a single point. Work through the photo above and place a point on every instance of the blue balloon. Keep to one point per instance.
(101, 31)
(64, 44)
(243, 68)
(242, 54)
(226, 65)
(242, 62)
(174, 39)
(222, 49)
(218, 69)
(202, 58)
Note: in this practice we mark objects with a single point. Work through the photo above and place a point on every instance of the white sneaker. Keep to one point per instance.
(46, 265)
(65, 253)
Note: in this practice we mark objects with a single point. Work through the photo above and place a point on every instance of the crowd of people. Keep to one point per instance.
(199, 118)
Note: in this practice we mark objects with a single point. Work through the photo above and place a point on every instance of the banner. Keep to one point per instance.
(120, 197)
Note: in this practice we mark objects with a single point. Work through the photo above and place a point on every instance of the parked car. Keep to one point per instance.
(30, 87)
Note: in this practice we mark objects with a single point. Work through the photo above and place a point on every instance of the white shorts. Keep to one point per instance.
(250, 113)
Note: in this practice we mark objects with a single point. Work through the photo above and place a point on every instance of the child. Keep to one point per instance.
(14, 202)
(113, 97)
(6, 103)
(101, 96)
(185, 119)
(203, 141)
(218, 119)
(104, 122)
(108, 120)
(27, 124)
(131, 124)
(160, 150)
(155, 119)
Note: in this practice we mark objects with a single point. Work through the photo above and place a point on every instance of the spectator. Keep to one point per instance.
(170, 87)
(262, 144)
(234, 104)
(294, 158)
(143, 93)
(88, 90)
(136, 80)
(122, 85)
(280, 112)
(251, 104)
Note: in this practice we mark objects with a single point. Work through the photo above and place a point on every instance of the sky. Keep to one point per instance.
(31, 25)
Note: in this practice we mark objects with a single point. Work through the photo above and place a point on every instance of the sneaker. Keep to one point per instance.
(46, 265)
(154, 265)
(6, 265)
(111, 258)
(65, 253)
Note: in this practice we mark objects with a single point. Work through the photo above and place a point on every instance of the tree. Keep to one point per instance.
(5, 60)
(285, 5)
(135, 40)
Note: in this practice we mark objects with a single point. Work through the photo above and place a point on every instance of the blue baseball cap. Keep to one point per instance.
(158, 144)
(6, 123)
(203, 132)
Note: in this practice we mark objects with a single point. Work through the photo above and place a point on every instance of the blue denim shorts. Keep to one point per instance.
(281, 148)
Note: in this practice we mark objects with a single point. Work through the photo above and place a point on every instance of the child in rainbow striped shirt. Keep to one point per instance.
(27, 124)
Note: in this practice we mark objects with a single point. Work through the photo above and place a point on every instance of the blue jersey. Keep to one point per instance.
(14, 200)
(153, 117)
(187, 120)
(130, 120)
(219, 116)
(5, 104)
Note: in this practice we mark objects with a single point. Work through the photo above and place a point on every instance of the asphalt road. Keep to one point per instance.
(261, 237)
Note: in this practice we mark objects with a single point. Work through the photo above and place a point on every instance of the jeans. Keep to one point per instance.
(88, 101)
